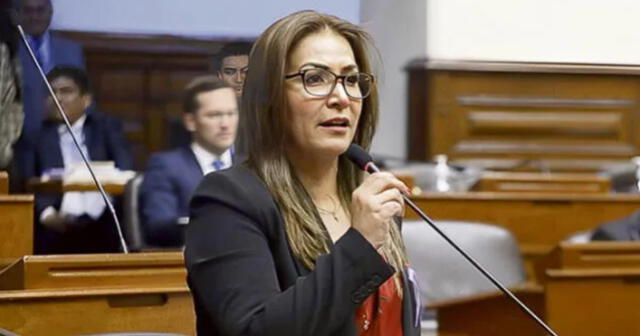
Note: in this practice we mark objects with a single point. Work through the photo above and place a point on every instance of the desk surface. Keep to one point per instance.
(4, 182)
(99, 293)
(591, 290)
(539, 221)
(534, 218)
(91, 311)
(16, 226)
(57, 187)
(544, 182)
(131, 270)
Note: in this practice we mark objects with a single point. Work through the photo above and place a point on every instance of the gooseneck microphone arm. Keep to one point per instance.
(123, 244)
(363, 160)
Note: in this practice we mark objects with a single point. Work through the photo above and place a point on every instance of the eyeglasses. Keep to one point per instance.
(321, 82)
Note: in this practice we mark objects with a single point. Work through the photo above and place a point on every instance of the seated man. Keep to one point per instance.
(76, 222)
(211, 116)
(232, 63)
(623, 229)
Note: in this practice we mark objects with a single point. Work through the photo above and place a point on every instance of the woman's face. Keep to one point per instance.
(320, 126)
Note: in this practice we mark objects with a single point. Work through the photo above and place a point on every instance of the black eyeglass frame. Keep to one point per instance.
(301, 73)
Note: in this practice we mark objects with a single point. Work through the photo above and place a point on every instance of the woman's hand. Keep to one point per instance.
(373, 203)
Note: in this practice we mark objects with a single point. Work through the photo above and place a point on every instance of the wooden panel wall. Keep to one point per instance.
(140, 78)
(524, 116)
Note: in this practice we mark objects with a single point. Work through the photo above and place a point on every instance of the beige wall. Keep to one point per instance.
(399, 31)
(575, 31)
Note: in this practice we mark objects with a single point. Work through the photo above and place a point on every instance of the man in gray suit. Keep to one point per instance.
(50, 50)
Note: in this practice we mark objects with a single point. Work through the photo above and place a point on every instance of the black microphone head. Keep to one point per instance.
(358, 156)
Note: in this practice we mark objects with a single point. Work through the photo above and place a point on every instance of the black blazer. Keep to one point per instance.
(246, 281)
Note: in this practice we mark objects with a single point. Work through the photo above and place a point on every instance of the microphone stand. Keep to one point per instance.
(123, 244)
(372, 168)
(479, 267)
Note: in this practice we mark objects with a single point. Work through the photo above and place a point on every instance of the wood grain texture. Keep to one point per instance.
(539, 221)
(16, 226)
(4, 182)
(543, 182)
(542, 117)
(86, 294)
(87, 311)
(594, 289)
(133, 270)
(590, 290)
(491, 314)
(36, 185)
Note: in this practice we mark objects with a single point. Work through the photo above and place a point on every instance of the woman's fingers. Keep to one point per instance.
(374, 203)
(390, 195)
(378, 182)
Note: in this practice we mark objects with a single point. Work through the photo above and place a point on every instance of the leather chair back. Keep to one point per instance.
(132, 226)
(444, 274)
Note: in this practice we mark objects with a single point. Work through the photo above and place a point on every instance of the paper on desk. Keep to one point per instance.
(105, 171)
(76, 204)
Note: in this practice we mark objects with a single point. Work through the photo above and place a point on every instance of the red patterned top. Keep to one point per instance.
(381, 313)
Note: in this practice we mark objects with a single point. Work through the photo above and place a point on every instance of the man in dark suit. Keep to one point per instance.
(75, 222)
(624, 229)
(50, 50)
(211, 116)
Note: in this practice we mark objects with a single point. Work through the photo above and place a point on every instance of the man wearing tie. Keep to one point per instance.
(75, 222)
(50, 50)
(211, 116)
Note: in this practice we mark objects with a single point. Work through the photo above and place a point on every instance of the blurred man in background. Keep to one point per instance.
(76, 222)
(211, 116)
(50, 50)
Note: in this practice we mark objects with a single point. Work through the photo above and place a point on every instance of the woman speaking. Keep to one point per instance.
(297, 241)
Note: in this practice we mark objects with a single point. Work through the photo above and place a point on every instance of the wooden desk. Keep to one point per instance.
(578, 183)
(86, 294)
(16, 227)
(594, 289)
(524, 115)
(499, 316)
(35, 185)
(96, 270)
(589, 289)
(539, 221)
(90, 311)
(4, 182)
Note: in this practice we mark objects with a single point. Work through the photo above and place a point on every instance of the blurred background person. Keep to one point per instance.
(50, 50)
(11, 112)
(76, 222)
(211, 116)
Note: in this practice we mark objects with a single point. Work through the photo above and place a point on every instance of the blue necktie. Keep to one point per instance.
(36, 44)
(218, 164)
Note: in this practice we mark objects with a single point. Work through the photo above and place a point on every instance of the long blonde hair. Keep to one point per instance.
(263, 114)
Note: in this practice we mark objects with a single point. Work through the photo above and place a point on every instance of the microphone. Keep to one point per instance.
(63, 114)
(364, 161)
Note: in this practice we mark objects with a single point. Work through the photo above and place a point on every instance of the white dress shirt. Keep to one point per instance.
(76, 203)
(205, 158)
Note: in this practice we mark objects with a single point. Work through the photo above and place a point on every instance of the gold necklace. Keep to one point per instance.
(333, 213)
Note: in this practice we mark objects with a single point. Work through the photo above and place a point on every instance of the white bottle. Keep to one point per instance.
(636, 161)
(443, 173)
